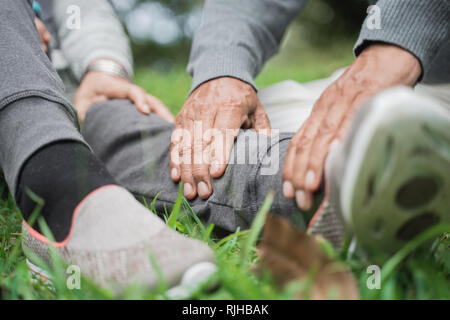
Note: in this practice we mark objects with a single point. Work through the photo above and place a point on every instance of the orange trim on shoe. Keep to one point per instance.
(61, 244)
(41, 275)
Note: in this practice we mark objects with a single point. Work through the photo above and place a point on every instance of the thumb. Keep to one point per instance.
(261, 122)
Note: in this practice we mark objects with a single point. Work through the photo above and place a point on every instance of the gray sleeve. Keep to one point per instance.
(100, 35)
(237, 37)
(421, 27)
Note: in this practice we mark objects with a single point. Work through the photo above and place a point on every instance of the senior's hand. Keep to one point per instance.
(43, 33)
(98, 86)
(205, 130)
(378, 67)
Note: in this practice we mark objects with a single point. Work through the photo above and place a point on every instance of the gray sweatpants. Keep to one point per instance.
(33, 109)
(135, 149)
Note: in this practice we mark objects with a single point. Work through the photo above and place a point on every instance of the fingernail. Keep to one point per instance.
(188, 190)
(300, 199)
(288, 190)
(146, 108)
(214, 167)
(174, 173)
(308, 200)
(310, 179)
(202, 189)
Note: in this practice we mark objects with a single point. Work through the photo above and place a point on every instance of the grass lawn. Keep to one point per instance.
(421, 270)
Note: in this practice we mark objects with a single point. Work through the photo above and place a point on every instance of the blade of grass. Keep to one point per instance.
(231, 236)
(203, 232)
(171, 222)
(144, 200)
(194, 216)
(207, 234)
(256, 228)
(153, 207)
(397, 258)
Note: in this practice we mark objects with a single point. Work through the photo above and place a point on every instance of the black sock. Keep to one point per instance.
(62, 174)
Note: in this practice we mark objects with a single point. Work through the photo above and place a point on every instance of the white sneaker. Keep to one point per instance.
(390, 179)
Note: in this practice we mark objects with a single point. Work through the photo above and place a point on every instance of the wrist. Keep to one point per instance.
(109, 67)
(227, 81)
(388, 65)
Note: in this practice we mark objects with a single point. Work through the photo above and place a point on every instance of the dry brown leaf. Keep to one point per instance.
(291, 254)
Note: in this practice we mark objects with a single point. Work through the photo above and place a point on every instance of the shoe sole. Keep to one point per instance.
(398, 184)
(39, 275)
(193, 278)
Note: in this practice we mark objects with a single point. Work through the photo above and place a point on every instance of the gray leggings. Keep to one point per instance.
(33, 109)
(135, 149)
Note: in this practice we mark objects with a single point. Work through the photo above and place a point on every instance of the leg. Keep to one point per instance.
(38, 133)
(96, 224)
(390, 176)
(33, 110)
(135, 149)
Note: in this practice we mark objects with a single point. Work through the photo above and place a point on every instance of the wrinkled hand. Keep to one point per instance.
(205, 130)
(378, 67)
(98, 87)
(43, 33)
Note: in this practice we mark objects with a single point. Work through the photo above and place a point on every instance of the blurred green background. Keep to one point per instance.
(318, 42)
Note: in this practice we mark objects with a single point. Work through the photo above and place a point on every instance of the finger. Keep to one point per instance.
(201, 150)
(305, 143)
(81, 106)
(139, 97)
(47, 37)
(40, 27)
(186, 156)
(302, 150)
(302, 153)
(175, 150)
(122, 89)
(158, 107)
(227, 122)
(288, 168)
(261, 122)
(304, 200)
(42, 30)
(327, 132)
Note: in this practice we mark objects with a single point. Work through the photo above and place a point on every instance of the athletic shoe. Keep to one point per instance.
(390, 179)
(115, 242)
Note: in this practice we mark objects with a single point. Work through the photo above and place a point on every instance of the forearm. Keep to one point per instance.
(237, 37)
(420, 27)
(100, 36)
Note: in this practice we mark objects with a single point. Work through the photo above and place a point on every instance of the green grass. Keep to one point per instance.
(421, 270)
(418, 271)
